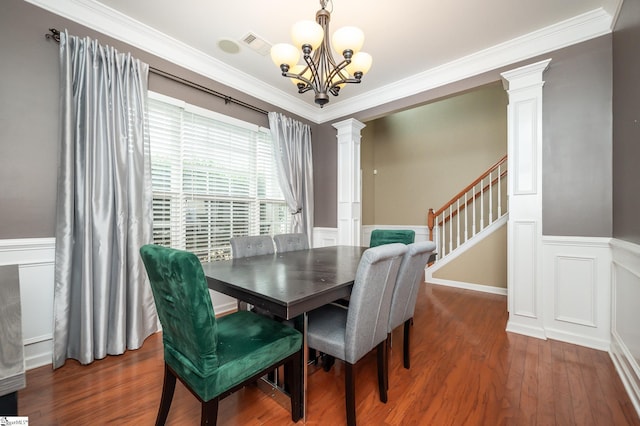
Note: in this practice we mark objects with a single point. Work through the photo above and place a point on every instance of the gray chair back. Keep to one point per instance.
(291, 242)
(405, 293)
(251, 246)
(370, 303)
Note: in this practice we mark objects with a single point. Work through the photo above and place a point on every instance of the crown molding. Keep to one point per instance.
(571, 31)
(119, 26)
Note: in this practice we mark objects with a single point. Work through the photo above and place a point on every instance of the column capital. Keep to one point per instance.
(526, 76)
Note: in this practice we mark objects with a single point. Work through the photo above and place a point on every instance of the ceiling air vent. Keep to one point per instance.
(256, 43)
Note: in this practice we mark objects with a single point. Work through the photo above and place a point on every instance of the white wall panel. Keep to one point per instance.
(35, 260)
(625, 316)
(324, 237)
(577, 290)
(525, 258)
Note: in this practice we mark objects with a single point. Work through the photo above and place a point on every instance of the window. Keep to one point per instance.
(213, 177)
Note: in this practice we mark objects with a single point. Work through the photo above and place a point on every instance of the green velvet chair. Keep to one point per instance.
(213, 357)
(388, 236)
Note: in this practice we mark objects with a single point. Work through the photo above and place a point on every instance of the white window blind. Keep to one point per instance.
(213, 178)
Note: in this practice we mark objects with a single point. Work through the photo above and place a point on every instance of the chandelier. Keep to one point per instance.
(320, 71)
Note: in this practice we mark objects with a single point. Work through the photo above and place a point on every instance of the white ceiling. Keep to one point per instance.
(416, 44)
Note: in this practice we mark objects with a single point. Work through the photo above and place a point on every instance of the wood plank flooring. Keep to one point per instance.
(465, 370)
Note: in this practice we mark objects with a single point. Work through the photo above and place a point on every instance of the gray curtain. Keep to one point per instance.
(103, 303)
(292, 151)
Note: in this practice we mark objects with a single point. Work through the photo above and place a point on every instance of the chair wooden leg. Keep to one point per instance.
(382, 370)
(327, 362)
(293, 379)
(350, 393)
(386, 374)
(407, 344)
(209, 412)
(168, 387)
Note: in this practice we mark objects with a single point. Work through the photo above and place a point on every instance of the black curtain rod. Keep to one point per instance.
(55, 35)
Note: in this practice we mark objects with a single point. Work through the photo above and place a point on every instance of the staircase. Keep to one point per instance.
(473, 213)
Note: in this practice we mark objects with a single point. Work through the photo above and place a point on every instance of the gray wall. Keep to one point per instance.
(325, 175)
(29, 112)
(29, 131)
(626, 123)
(577, 147)
(577, 143)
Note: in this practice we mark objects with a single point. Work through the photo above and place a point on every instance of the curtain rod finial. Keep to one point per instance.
(54, 35)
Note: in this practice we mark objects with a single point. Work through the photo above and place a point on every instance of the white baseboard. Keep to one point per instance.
(578, 339)
(468, 286)
(627, 369)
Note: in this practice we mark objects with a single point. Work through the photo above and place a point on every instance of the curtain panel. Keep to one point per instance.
(293, 156)
(103, 303)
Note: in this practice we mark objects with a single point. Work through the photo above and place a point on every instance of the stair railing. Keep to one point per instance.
(477, 206)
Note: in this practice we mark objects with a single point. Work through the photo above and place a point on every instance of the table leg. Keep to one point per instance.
(301, 324)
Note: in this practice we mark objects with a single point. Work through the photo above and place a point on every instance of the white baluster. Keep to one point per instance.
(481, 205)
(450, 228)
(490, 199)
(466, 218)
(444, 236)
(499, 192)
(473, 225)
(458, 223)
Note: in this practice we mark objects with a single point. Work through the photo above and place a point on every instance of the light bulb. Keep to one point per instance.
(307, 32)
(361, 62)
(348, 38)
(283, 53)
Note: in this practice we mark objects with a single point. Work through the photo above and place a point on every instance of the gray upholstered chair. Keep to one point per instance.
(254, 245)
(349, 334)
(405, 293)
(247, 246)
(291, 242)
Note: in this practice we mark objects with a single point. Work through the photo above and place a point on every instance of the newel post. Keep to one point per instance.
(430, 223)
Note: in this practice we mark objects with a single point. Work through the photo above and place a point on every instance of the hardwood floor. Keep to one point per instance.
(465, 370)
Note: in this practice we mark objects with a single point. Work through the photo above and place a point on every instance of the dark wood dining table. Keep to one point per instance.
(289, 284)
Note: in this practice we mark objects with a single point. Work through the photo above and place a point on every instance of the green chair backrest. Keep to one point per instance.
(184, 307)
(388, 236)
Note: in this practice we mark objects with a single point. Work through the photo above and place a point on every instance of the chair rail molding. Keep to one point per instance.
(349, 181)
(524, 177)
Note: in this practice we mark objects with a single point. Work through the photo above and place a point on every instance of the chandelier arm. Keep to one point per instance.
(307, 86)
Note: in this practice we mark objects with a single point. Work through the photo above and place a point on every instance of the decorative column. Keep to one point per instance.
(349, 182)
(524, 182)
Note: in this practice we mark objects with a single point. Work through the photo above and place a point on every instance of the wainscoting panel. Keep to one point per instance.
(625, 316)
(576, 290)
(35, 260)
(324, 237)
(577, 298)
(525, 291)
